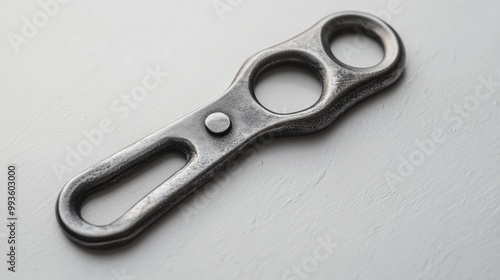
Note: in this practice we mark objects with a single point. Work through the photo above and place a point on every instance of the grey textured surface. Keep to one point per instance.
(318, 206)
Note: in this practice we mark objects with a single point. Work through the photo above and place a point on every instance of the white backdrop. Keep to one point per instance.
(404, 185)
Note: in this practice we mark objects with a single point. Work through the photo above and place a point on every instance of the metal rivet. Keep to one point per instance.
(218, 123)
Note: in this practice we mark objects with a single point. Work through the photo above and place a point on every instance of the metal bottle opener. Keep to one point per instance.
(213, 135)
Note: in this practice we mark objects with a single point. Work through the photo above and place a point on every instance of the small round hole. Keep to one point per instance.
(356, 49)
(288, 88)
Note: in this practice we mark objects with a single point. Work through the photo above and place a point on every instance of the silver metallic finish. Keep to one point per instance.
(343, 86)
(218, 123)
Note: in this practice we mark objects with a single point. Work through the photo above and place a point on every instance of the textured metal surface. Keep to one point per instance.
(343, 86)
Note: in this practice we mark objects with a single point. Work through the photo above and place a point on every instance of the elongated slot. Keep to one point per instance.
(108, 204)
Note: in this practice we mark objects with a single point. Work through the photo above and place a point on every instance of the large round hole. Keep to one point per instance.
(288, 88)
(356, 49)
